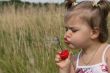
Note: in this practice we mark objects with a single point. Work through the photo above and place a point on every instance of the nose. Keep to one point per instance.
(67, 35)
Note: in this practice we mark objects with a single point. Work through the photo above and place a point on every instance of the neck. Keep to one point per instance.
(93, 47)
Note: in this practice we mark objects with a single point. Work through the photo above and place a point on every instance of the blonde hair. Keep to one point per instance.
(95, 16)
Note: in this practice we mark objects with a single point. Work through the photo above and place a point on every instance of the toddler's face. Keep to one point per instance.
(78, 33)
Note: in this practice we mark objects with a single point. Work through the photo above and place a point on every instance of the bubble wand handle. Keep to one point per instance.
(64, 53)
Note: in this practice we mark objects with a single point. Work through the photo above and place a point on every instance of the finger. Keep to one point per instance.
(57, 58)
(58, 52)
(63, 63)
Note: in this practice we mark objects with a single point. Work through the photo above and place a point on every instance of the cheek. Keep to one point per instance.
(77, 39)
(80, 39)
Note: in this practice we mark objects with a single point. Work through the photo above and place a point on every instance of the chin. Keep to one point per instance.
(71, 46)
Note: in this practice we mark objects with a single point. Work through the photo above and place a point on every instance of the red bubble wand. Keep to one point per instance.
(64, 53)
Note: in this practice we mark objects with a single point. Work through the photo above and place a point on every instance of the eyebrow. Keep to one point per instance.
(70, 27)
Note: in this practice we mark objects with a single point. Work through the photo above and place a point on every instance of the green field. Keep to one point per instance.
(27, 38)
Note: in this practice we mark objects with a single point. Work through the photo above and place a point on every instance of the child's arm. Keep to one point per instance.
(108, 60)
(108, 65)
(73, 64)
(67, 69)
(72, 69)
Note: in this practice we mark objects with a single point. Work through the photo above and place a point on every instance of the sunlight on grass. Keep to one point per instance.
(27, 39)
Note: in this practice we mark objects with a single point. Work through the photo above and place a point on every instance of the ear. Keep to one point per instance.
(95, 33)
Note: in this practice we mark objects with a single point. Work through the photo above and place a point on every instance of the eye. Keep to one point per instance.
(74, 30)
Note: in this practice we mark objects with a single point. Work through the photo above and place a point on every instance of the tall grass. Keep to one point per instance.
(27, 38)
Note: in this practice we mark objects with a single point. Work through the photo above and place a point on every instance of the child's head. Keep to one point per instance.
(95, 16)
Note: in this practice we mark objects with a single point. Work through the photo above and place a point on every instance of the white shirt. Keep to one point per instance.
(97, 68)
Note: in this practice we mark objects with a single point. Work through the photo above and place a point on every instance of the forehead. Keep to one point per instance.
(75, 18)
(75, 21)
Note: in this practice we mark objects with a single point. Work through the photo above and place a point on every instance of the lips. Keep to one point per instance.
(69, 43)
(66, 41)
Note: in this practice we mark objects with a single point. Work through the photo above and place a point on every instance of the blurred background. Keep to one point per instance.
(30, 31)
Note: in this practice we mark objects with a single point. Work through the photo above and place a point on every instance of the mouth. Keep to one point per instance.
(66, 41)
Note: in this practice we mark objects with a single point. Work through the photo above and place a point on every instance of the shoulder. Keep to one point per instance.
(108, 58)
(108, 52)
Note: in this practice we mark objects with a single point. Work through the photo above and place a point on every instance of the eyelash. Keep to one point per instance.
(73, 30)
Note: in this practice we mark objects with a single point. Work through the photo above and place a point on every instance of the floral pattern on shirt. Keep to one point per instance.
(103, 68)
(84, 70)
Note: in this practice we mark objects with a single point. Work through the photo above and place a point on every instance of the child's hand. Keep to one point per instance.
(62, 59)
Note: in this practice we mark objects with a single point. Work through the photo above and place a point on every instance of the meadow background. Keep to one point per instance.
(28, 37)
